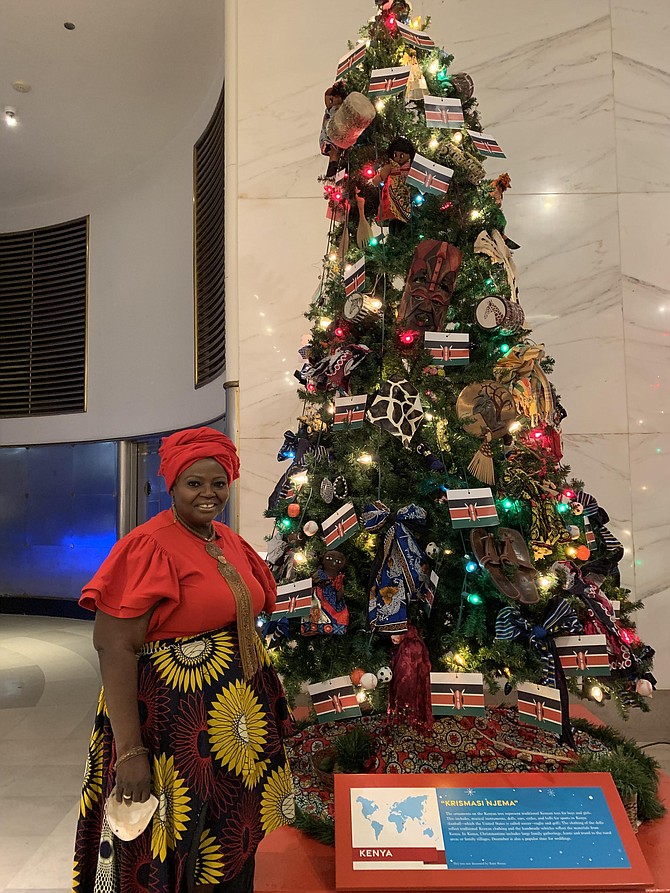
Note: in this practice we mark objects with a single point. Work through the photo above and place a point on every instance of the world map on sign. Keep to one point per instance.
(395, 818)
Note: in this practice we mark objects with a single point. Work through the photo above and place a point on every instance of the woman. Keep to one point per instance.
(191, 709)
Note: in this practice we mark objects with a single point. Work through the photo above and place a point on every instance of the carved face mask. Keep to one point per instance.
(430, 285)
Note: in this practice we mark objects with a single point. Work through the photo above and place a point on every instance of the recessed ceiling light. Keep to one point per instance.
(10, 116)
(21, 87)
(69, 25)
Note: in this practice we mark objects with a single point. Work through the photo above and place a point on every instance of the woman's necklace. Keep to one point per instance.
(208, 538)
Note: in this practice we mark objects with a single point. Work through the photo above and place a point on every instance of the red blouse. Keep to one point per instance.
(161, 566)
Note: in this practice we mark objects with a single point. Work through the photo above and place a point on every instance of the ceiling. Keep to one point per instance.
(106, 96)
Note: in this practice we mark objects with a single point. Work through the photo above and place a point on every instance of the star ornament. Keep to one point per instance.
(397, 409)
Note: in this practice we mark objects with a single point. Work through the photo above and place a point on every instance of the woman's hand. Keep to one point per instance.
(133, 780)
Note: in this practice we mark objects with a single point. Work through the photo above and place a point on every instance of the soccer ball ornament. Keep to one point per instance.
(369, 681)
(431, 550)
(384, 675)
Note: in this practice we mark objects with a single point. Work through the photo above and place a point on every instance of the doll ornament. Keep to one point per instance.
(395, 205)
(329, 615)
(333, 99)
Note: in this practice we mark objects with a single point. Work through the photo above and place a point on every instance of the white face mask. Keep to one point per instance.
(128, 819)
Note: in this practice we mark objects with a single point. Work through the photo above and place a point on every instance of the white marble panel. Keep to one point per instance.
(281, 93)
(650, 480)
(645, 239)
(602, 461)
(543, 79)
(640, 35)
(282, 244)
(569, 280)
(261, 471)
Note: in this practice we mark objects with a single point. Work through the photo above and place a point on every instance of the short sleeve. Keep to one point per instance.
(133, 579)
(261, 571)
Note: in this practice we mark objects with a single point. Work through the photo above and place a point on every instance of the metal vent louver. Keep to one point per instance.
(43, 284)
(210, 310)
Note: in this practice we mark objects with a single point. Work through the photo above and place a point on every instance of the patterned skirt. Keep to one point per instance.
(218, 765)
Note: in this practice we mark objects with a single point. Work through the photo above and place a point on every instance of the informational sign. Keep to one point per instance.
(494, 831)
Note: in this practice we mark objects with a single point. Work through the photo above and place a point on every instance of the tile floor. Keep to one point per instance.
(48, 690)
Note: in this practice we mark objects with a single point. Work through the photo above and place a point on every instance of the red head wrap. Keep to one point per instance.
(183, 448)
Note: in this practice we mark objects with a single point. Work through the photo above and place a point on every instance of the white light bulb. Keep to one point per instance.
(457, 137)
(376, 304)
(365, 459)
(10, 117)
(360, 696)
(428, 416)
(434, 67)
(475, 215)
(300, 558)
(324, 322)
(433, 144)
(597, 693)
(379, 105)
(515, 426)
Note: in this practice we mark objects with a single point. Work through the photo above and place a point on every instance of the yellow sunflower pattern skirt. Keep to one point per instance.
(219, 770)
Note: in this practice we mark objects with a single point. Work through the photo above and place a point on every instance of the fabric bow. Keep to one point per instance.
(399, 574)
(560, 620)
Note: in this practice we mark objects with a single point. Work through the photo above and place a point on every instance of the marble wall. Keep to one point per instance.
(578, 95)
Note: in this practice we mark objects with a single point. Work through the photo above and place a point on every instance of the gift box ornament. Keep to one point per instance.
(443, 113)
(498, 313)
(339, 526)
(448, 348)
(354, 277)
(583, 655)
(351, 59)
(388, 81)
(472, 508)
(457, 694)
(334, 699)
(293, 599)
(359, 307)
(349, 412)
(540, 706)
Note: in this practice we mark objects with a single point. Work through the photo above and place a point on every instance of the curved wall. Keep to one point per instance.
(140, 300)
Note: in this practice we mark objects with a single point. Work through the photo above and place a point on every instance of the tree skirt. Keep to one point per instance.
(496, 742)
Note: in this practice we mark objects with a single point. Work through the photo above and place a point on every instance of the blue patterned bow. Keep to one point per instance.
(560, 620)
(399, 575)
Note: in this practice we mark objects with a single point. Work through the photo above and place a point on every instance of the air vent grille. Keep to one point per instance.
(43, 285)
(210, 309)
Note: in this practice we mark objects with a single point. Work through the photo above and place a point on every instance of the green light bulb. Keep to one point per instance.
(474, 598)
(507, 504)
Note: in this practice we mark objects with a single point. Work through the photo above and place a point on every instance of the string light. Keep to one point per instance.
(428, 416)
(331, 408)
(514, 427)
(285, 524)
(374, 241)
(475, 599)
(408, 337)
(504, 348)
(365, 459)
(361, 696)
(508, 504)
(332, 257)
(433, 144)
(324, 322)
(470, 565)
(475, 215)
(459, 659)
(299, 479)
(300, 558)
(434, 66)
(376, 304)
(340, 332)
(419, 199)
(562, 508)
(448, 551)
(380, 105)
(369, 171)
(416, 23)
(597, 693)
(544, 582)
(457, 137)
(571, 552)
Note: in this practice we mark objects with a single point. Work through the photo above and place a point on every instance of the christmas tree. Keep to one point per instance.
(425, 499)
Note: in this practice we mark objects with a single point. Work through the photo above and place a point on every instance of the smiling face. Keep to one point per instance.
(200, 493)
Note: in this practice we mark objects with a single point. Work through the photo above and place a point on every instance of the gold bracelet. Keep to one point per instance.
(128, 755)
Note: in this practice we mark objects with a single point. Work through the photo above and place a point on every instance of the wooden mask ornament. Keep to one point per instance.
(430, 286)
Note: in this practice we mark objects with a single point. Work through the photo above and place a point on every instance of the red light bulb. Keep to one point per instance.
(337, 196)
(339, 332)
(537, 434)
(311, 387)
(446, 206)
(407, 337)
(391, 21)
(369, 172)
(570, 494)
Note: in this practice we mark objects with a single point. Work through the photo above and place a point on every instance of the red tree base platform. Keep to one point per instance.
(290, 862)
